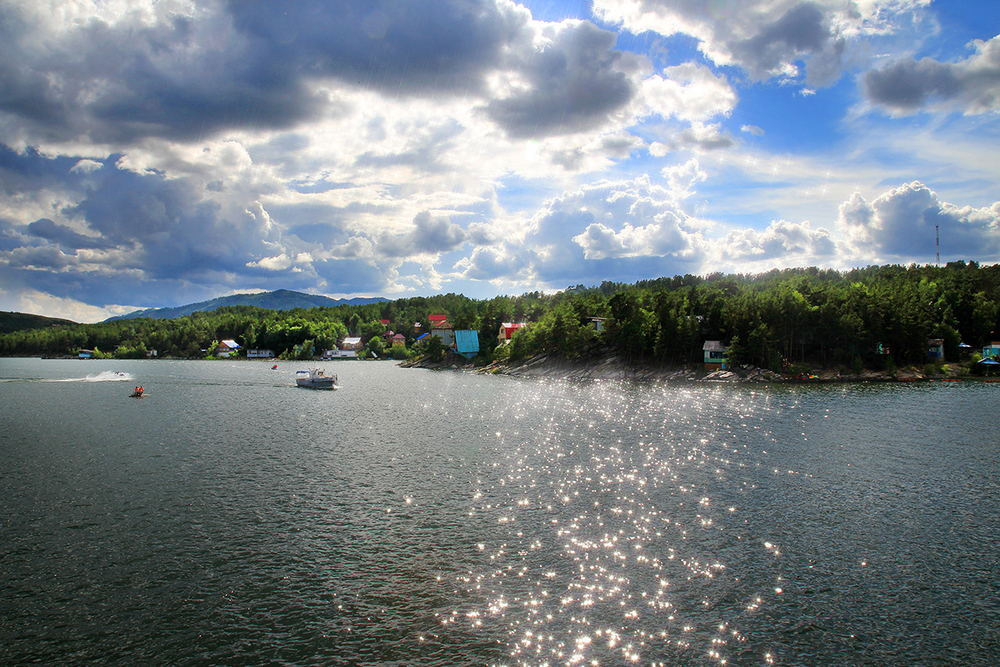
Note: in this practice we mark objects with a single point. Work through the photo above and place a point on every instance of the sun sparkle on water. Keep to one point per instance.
(610, 550)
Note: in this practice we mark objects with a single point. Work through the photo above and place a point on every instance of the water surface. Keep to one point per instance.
(440, 518)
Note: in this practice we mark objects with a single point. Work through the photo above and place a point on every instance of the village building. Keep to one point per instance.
(715, 355)
(442, 329)
(467, 342)
(225, 347)
(507, 331)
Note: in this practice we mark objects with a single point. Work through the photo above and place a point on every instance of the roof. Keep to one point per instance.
(713, 346)
(230, 343)
(437, 318)
(352, 341)
(467, 341)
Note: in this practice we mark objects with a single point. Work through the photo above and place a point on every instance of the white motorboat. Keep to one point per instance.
(315, 378)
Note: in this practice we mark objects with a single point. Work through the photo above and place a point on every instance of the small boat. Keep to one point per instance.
(315, 378)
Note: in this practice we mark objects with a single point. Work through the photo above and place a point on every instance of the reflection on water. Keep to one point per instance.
(617, 522)
(450, 519)
(731, 526)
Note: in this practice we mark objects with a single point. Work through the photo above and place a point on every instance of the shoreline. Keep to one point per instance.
(613, 368)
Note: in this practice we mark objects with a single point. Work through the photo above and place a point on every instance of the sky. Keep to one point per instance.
(156, 153)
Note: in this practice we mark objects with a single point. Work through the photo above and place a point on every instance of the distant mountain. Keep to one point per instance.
(281, 299)
(10, 322)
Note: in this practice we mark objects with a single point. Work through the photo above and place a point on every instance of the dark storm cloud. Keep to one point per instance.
(115, 83)
(28, 171)
(908, 85)
(61, 235)
(972, 85)
(96, 289)
(253, 64)
(402, 45)
(576, 83)
(161, 229)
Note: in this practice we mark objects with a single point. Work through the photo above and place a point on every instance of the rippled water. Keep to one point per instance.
(423, 518)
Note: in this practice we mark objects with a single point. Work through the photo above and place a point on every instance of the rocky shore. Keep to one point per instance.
(612, 368)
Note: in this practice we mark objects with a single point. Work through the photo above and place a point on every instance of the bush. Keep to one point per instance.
(301, 352)
(857, 367)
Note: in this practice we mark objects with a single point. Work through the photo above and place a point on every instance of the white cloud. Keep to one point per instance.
(782, 243)
(689, 92)
(902, 223)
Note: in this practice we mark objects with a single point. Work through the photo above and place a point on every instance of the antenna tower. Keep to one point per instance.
(937, 245)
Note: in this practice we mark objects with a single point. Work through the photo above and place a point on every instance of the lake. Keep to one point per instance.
(416, 517)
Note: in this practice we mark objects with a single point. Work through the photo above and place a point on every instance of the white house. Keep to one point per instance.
(340, 354)
(260, 354)
(447, 336)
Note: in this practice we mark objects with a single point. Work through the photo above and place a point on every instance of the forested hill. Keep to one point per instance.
(21, 321)
(276, 300)
(875, 317)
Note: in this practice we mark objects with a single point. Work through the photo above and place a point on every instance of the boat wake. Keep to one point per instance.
(103, 376)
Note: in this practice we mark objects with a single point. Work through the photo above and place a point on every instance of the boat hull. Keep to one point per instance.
(316, 384)
(315, 379)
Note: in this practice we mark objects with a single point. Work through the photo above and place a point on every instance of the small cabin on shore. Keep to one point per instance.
(715, 355)
(467, 342)
(507, 331)
(225, 347)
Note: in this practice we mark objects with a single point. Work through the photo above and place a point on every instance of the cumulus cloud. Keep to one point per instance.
(900, 224)
(971, 86)
(781, 243)
(121, 225)
(184, 70)
(690, 92)
(571, 81)
(630, 228)
(766, 38)
(430, 235)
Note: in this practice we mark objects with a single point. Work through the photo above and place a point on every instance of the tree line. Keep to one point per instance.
(872, 317)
